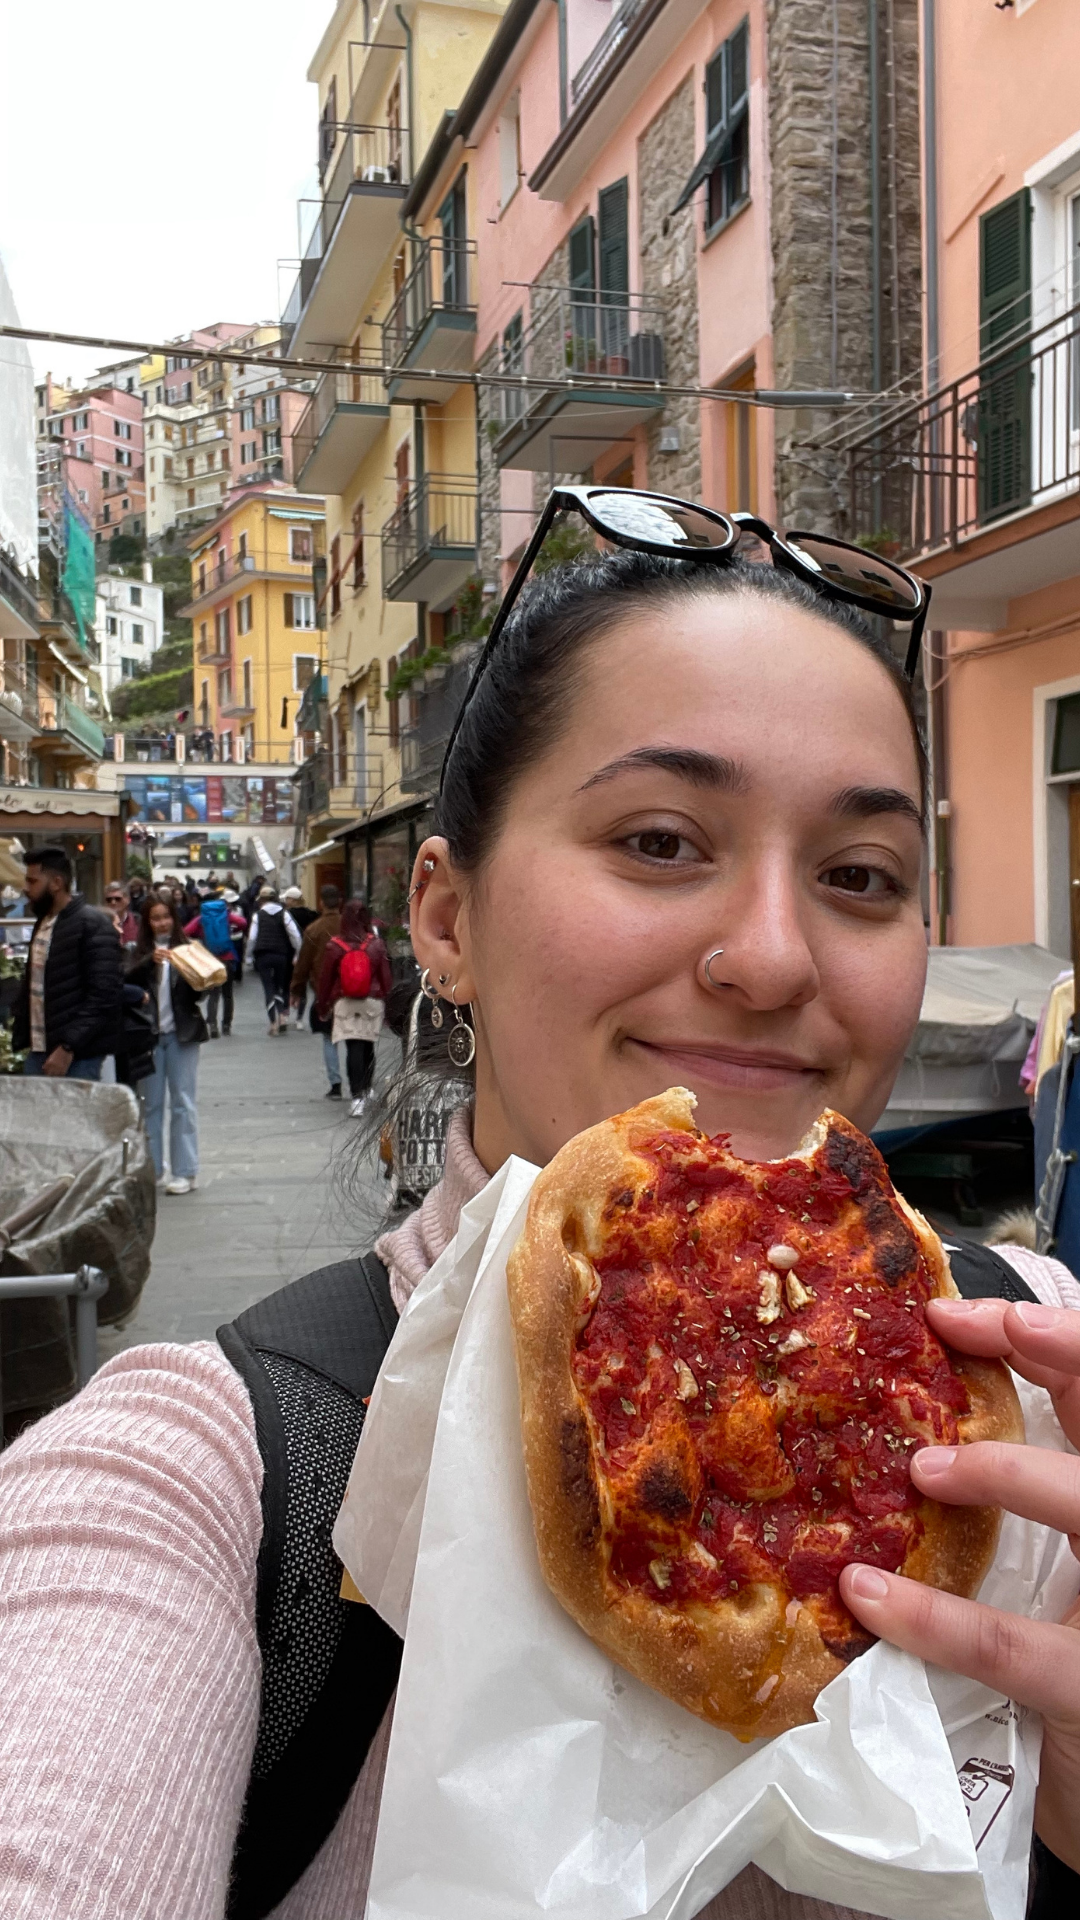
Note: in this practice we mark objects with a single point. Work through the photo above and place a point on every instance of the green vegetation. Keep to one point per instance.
(158, 690)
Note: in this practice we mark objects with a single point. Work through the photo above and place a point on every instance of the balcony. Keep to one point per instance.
(336, 786)
(355, 225)
(429, 542)
(66, 729)
(220, 575)
(423, 743)
(237, 706)
(978, 485)
(18, 604)
(19, 718)
(605, 50)
(337, 430)
(215, 651)
(600, 358)
(431, 326)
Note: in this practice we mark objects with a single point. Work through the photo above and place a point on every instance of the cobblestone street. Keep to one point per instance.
(279, 1191)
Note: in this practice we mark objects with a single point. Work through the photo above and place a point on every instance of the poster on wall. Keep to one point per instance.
(254, 800)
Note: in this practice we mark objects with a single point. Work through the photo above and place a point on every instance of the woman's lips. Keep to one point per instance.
(747, 1072)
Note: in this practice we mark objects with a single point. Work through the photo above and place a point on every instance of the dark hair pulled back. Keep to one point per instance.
(529, 683)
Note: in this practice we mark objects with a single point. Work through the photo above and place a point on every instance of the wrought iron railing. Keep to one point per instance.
(329, 780)
(424, 740)
(605, 49)
(436, 514)
(59, 714)
(443, 280)
(1002, 438)
(371, 156)
(575, 335)
(334, 390)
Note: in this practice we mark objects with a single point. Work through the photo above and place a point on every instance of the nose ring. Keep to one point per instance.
(715, 955)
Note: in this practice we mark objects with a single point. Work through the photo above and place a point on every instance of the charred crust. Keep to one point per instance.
(855, 1158)
(578, 1482)
(896, 1247)
(662, 1492)
(848, 1646)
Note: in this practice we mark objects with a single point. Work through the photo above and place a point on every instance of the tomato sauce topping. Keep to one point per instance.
(755, 1419)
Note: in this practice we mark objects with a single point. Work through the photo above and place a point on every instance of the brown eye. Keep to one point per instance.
(659, 846)
(856, 880)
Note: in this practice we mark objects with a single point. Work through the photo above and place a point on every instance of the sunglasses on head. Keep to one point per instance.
(679, 529)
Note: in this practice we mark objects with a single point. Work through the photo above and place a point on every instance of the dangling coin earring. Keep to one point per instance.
(461, 1046)
(430, 994)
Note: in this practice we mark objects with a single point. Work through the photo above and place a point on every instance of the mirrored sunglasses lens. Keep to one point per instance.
(858, 571)
(640, 516)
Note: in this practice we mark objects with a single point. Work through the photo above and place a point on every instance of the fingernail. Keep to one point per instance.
(867, 1584)
(934, 1460)
(1039, 1319)
(959, 1306)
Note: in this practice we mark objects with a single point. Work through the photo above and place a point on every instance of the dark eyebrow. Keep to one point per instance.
(861, 803)
(686, 763)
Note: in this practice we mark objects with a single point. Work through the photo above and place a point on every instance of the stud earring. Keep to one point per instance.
(461, 1046)
(427, 869)
(431, 995)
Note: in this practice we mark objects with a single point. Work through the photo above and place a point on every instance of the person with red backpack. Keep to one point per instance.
(354, 981)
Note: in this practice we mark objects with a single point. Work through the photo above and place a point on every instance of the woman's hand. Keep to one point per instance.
(1027, 1660)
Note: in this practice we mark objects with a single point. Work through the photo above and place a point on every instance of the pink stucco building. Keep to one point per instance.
(98, 438)
(980, 483)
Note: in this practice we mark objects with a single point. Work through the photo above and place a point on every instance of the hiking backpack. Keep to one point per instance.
(309, 1356)
(355, 974)
(214, 915)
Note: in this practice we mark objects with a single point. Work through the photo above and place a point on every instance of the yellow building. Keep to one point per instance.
(257, 647)
(388, 279)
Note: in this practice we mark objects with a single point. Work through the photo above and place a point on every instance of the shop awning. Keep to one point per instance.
(32, 808)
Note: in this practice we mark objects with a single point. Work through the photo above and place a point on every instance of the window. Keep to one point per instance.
(455, 291)
(393, 125)
(335, 570)
(301, 545)
(509, 151)
(83, 495)
(1004, 410)
(105, 478)
(168, 468)
(513, 361)
(724, 167)
(191, 496)
(202, 639)
(272, 441)
(305, 667)
(221, 629)
(300, 610)
(106, 516)
(112, 625)
(153, 463)
(127, 668)
(271, 407)
(328, 125)
(186, 391)
(241, 546)
(122, 429)
(123, 457)
(137, 633)
(248, 701)
(224, 686)
(136, 596)
(358, 547)
(191, 473)
(249, 452)
(204, 703)
(243, 614)
(157, 395)
(80, 449)
(81, 422)
(247, 419)
(614, 256)
(123, 506)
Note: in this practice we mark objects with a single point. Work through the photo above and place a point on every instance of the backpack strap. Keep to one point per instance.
(309, 1356)
(982, 1274)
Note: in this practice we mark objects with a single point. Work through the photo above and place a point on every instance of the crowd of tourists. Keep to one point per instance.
(111, 993)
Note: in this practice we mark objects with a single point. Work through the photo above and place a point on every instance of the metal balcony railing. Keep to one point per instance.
(60, 716)
(334, 390)
(437, 515)
(372, 156)
(424, 741)
(19, 594)
(575, 335)
(605, 49)
(331, 782)
(442, 281)
(18, 696)
(1002, 438)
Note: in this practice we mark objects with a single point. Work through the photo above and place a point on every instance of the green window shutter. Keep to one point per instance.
(1005, 269)
(738, 68)
(1004, 414)
(615, 238)
(583, 255)
(716, 92)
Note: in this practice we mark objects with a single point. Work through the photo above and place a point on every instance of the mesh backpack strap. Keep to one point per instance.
(309, 1356)
(982, 1274)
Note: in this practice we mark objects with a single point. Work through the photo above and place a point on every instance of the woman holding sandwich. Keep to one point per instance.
(679, 840)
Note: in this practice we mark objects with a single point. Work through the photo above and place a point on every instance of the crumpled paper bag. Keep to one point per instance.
(527, 1773)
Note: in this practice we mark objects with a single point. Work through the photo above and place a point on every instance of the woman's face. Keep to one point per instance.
(161, 922)
(733, 774)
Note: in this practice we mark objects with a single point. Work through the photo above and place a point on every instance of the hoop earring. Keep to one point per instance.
(461, 1046)
(716, 954)
(432, 997)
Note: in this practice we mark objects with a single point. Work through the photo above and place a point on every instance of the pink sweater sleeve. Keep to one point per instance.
(129, 1669)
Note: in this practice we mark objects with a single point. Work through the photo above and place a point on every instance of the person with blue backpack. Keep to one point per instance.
(214, 925)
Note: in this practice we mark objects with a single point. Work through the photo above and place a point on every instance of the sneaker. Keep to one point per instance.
(226, 1032)
(358, 1106)
(180, 1186)
(334, 1092)
(215, 1031)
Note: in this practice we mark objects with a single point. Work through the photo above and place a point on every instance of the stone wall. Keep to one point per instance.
(668, 251)
(823, 319)
(489, 420)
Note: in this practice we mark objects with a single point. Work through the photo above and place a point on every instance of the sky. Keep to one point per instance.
(151, 158)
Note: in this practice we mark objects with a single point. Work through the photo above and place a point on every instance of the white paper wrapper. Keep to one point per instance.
(527, 1773)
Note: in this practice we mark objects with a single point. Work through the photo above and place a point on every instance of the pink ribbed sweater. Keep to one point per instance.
(129, 1668)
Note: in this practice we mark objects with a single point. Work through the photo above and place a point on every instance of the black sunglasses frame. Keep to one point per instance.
(730, 527)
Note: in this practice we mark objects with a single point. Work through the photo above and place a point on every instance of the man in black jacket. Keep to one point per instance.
(69, 1010)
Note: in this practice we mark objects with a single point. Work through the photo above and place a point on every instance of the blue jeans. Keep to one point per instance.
(176, 1066)
(330, 1056)
(88, 1069)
